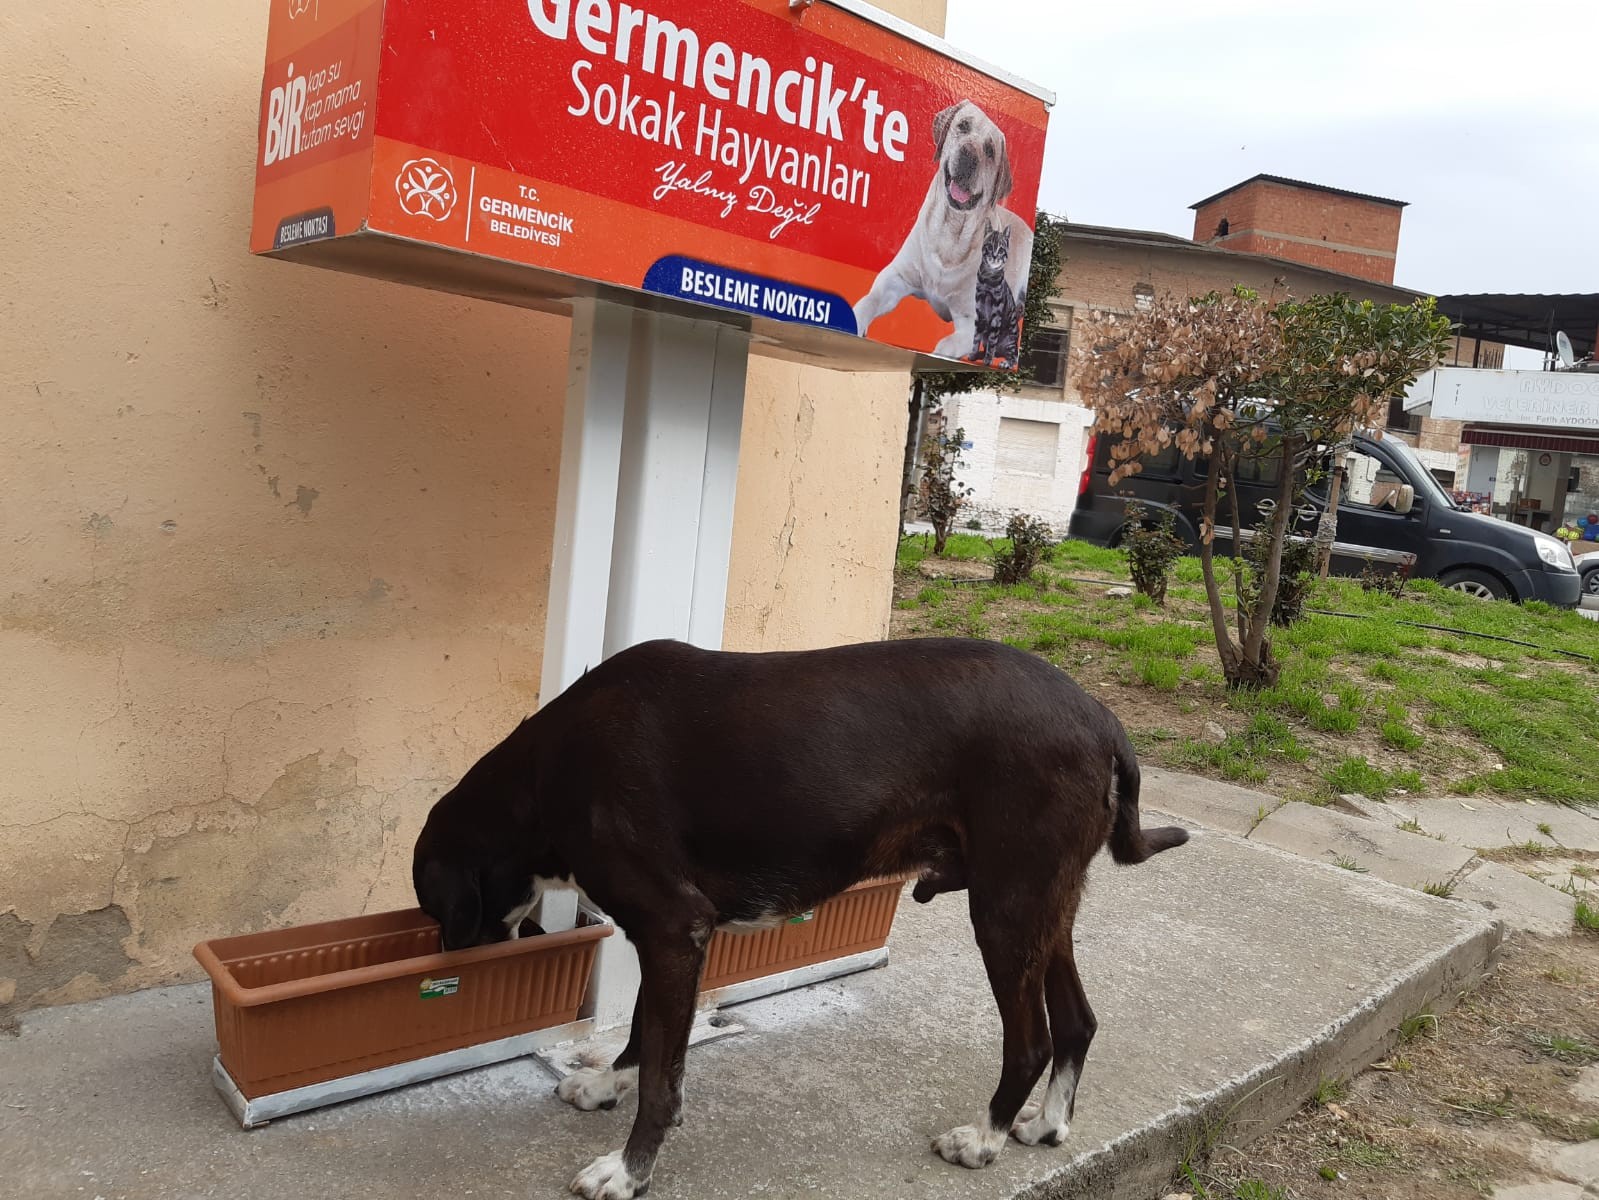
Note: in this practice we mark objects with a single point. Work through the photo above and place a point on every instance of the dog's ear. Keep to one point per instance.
(941, 124)
(1003, 184)
(454, 898)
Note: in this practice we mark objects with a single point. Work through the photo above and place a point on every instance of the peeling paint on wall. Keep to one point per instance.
(73, 946)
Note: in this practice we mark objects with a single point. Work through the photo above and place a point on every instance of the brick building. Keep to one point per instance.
(1275, 235)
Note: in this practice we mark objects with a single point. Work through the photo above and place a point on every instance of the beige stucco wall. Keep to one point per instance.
(275, 542)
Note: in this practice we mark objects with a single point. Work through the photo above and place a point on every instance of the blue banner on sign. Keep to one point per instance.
(705, 283)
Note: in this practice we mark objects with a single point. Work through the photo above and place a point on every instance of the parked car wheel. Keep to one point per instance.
(1590, 580)
(1476, 583)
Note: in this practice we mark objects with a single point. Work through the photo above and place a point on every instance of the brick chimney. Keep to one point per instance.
(1304, 222)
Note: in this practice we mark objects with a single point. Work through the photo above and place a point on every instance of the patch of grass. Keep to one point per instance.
(1358, 776)
(1256, 1189)
(1546, 829)
(1532, 848)
(1413, 1026)
(1411, 826)
(1329, 1091)
(1162, 674)
(1586, 915)
(1566, 1049)
(1442, 890)
(1246, 756)
(1400, 736)
(1362, 1153)
(1348, 864)
(1081, 556)
(1405, 780)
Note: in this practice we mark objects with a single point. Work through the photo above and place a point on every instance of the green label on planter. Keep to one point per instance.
(802, 918)
(432, 989)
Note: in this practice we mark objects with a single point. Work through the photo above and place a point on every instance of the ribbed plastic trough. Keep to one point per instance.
(316, 1014)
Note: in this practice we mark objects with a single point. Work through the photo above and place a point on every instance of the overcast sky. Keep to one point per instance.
(1484, 117)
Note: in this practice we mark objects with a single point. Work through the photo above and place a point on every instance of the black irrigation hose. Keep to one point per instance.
(1493, 637)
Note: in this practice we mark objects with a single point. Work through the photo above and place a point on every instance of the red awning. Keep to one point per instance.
(1529, 439)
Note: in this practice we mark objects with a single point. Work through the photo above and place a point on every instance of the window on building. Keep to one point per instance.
(1047, 359)
(1026, 448)
(1400, 420)
(1222, 228)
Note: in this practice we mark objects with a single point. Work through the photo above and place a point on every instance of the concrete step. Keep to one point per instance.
(1363, 836)
(1228, 979)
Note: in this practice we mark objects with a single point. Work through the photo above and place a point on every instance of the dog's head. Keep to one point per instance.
(475, 861)
(974, 167)
(476, 900)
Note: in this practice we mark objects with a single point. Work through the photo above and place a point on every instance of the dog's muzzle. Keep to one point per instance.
(957, 183)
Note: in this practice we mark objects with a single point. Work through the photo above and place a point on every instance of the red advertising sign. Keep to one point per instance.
(819, 172)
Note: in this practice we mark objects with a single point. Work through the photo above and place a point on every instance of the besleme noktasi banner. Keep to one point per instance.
(806, 167)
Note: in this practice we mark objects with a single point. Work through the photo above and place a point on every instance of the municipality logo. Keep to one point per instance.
(298, 8)
(426, 189)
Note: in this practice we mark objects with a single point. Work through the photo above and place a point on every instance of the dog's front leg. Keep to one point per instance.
(594, 1088)
(670, 963)
(887, 291)
(954, 345)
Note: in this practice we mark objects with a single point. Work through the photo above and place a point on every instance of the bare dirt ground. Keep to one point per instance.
(1484, 1095)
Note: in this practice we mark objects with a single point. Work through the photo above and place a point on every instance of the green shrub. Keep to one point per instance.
(1029, 543)
(1152, 550)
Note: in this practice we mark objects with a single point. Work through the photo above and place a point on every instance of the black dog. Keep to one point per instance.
(684, 790)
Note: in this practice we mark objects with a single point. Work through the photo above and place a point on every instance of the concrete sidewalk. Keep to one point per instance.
(1228, 978)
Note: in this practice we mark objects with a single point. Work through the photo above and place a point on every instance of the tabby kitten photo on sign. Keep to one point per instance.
(997, 336)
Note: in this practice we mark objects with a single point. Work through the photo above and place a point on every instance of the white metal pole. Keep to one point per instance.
(585, 517)
(720, 487)
(673, 532)
(663, 476)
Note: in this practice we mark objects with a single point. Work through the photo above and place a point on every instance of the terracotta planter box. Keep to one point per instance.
(853, 923)
(372, 999)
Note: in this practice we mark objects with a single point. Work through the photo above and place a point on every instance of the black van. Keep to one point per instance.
(1391, 507)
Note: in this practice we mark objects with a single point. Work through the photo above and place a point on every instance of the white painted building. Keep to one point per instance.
(1026, 454)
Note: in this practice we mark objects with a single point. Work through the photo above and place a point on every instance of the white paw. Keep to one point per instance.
(607, 1178)
(1032, 1129)
(970, 1146)
(593, 1087)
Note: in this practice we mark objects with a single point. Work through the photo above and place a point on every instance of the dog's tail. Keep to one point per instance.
(1129, 842)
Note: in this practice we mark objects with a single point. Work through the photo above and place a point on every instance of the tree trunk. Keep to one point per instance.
(913, 437)
(1229, 462)
(1256, 655)
(1226, 649)
(1327, 532)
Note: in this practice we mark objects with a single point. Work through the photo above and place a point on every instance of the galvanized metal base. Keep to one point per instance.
(599, 1049)
(253, 1113)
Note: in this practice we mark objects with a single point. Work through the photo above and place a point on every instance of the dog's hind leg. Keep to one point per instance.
(594, 1088)
(1071, 1028)
(671, 957)
(1010, 952)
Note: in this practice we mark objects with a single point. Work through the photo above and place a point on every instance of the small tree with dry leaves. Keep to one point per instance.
(1229, 374)
(939, 492)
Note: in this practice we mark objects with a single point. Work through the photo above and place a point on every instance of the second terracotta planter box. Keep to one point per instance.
(854, 922)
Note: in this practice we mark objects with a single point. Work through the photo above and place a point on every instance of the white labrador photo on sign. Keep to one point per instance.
(941, 256)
